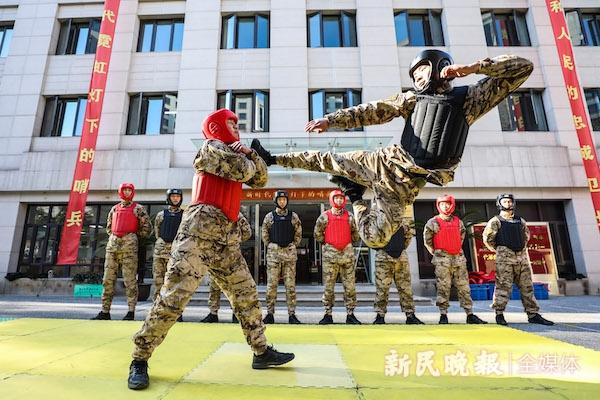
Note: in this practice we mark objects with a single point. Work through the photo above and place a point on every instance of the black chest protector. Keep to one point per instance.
(395, 246)
(282, 231)
(170, 224)
(436, 132)
(511, 234)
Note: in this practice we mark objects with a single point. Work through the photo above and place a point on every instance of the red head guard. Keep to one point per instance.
(124, 186)
(214, 126)
(334, 193)
(448, 199)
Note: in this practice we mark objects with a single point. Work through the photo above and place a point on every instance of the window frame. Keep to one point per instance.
(347, 95)
(236, 17)
(142, 122)
(155, 23)
(585, 38)
(596, 91)
(58, 112)
(429, 15)
(4, 28)
(70, 42)
(341, 30)
(514, 13)
(230, 96)
(531, 92)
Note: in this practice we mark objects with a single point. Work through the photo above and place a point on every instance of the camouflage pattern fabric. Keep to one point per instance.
(209, 242)
(451, 270)
(336, 263)
(122, 252)
(511, 266)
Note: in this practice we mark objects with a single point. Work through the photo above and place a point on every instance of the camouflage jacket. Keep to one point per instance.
(144, 226)
(268, 223)
(432, 227)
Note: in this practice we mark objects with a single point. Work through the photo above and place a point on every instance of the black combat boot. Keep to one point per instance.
(269, 319)
(443, 319)
(262, 152)
(474, 319)
(411, 319)
(102, 316)
(538, 319)
(379, 320)
(130, 316)
(500, 320)
(353, 190)
(326, 320)
(352, 320)
(180, 318)
(294, 320)
(270, 358)
(234, 319)
(138, 375)
(210, 318)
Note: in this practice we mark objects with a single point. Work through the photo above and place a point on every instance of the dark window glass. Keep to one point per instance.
(78, 37)
(523, 111)
(332, 30)
(160, 35)
(592, 98)
(418, 29)
(324, 102)
(505, 28)
(6, 32)
(63, 116)
(245, 32)
(252, 109)
(152, 114)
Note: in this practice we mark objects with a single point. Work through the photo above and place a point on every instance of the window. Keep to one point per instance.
(592, 98)
(152, 114)
(245, 32)
(584, 27)
(505, 28)
(6, 32)
(419, 28)
(63, 116)
(160, 35)
(332, 30)
(78, 37)
(523, 111)
(252, 108)
(328, 101)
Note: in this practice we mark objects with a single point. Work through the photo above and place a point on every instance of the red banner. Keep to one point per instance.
(580, 120)
(71, 233)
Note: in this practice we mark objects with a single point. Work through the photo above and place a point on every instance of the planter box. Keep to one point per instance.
(87, 290)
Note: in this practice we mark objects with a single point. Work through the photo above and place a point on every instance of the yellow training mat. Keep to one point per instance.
(76, 359)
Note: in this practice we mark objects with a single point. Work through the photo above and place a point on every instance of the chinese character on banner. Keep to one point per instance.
(456, 364)
(71, 232)
(487, 364)
(555, 6)
(425, 363)
(572, 92)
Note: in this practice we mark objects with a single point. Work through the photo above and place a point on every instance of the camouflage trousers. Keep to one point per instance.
(390, 173)
(191, 258)
(450, 270)
(281, 261)
(160, 258)
(513, 267)
(120, 253)
(387, 270)
(336, 262)
(214, 297)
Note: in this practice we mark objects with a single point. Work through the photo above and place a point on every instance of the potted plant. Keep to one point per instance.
(87, 284)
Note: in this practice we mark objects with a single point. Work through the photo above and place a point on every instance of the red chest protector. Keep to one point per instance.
(222, 193)
(448, 237)
(337, 232)
(124, 220)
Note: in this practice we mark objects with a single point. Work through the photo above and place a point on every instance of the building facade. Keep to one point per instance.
(277, 64)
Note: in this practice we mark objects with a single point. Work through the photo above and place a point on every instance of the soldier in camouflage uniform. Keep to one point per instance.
(444, 235)
(507, 235)
(126, 222)
(437, 117)
(391, 265)
(214, 291)
(281, 233)
(209, 240)
(336, 229)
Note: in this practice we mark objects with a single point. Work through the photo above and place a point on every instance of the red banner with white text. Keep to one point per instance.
(71, 233)
(576, 100)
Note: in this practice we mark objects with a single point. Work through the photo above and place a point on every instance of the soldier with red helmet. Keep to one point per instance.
(336, 229)
(208, 241)
(443, 236)
(126, 222)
